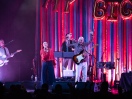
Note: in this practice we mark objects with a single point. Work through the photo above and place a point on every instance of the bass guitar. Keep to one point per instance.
(79, 57)
(4, 60)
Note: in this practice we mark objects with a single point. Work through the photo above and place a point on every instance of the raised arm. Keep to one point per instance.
(71, 45)
(91, 39)
(89, 42)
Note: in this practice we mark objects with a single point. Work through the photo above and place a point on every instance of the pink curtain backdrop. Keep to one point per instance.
(113, 37)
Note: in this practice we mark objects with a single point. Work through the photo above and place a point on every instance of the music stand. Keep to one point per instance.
(58, 54)
(68, 54)
(110, 65)
(100, 64)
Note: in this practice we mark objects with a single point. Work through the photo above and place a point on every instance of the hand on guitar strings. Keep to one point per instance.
(11, 55)
(3, 56)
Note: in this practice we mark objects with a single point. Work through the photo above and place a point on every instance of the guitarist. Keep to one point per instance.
(4, 52)
(81, 68)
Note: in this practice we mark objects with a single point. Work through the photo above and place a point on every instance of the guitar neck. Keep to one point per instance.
(14, 53)
(89, 49)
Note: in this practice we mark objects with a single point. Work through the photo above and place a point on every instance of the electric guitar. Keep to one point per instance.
(4, 60)
(79, 57)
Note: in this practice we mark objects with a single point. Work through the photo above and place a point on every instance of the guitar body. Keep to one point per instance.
(78, 58)
(4, 60)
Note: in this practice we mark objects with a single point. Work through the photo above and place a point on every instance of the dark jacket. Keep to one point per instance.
(65, 48)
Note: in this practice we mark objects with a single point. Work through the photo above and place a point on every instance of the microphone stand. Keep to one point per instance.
(102, 70)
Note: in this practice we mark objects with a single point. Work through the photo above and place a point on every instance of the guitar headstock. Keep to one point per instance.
(19, 50)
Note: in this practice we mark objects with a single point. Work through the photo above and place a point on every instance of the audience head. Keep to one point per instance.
(45, 87)
(104, 86)
(58, 88)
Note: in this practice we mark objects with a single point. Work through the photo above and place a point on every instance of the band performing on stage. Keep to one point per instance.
(65, 46)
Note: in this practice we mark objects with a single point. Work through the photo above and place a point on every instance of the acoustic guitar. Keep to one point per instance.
(4, 60)
(79, 57)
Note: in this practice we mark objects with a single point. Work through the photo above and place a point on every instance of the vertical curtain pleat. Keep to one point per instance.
(113, 38)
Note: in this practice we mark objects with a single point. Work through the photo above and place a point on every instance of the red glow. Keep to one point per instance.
(99, 9)
(67, 6)
(46, 4)
(126, 18)
(111, 20)
(72, 1)
(73, 22)
(125, 12)
(99, 18)
(116, 3)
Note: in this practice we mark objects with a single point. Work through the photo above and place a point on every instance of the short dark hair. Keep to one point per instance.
(68, 33)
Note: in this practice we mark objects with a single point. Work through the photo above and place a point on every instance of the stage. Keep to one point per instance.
(25, 24)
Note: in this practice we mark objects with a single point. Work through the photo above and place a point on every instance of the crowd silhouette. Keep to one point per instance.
(19, 91)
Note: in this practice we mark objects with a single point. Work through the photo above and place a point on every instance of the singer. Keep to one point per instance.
(48, 63)
(80, 52)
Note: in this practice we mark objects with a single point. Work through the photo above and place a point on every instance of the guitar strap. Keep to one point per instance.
(5, 51)
(6, 55)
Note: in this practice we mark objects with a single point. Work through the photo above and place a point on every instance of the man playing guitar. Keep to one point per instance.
(80, 52)
(4, 53)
